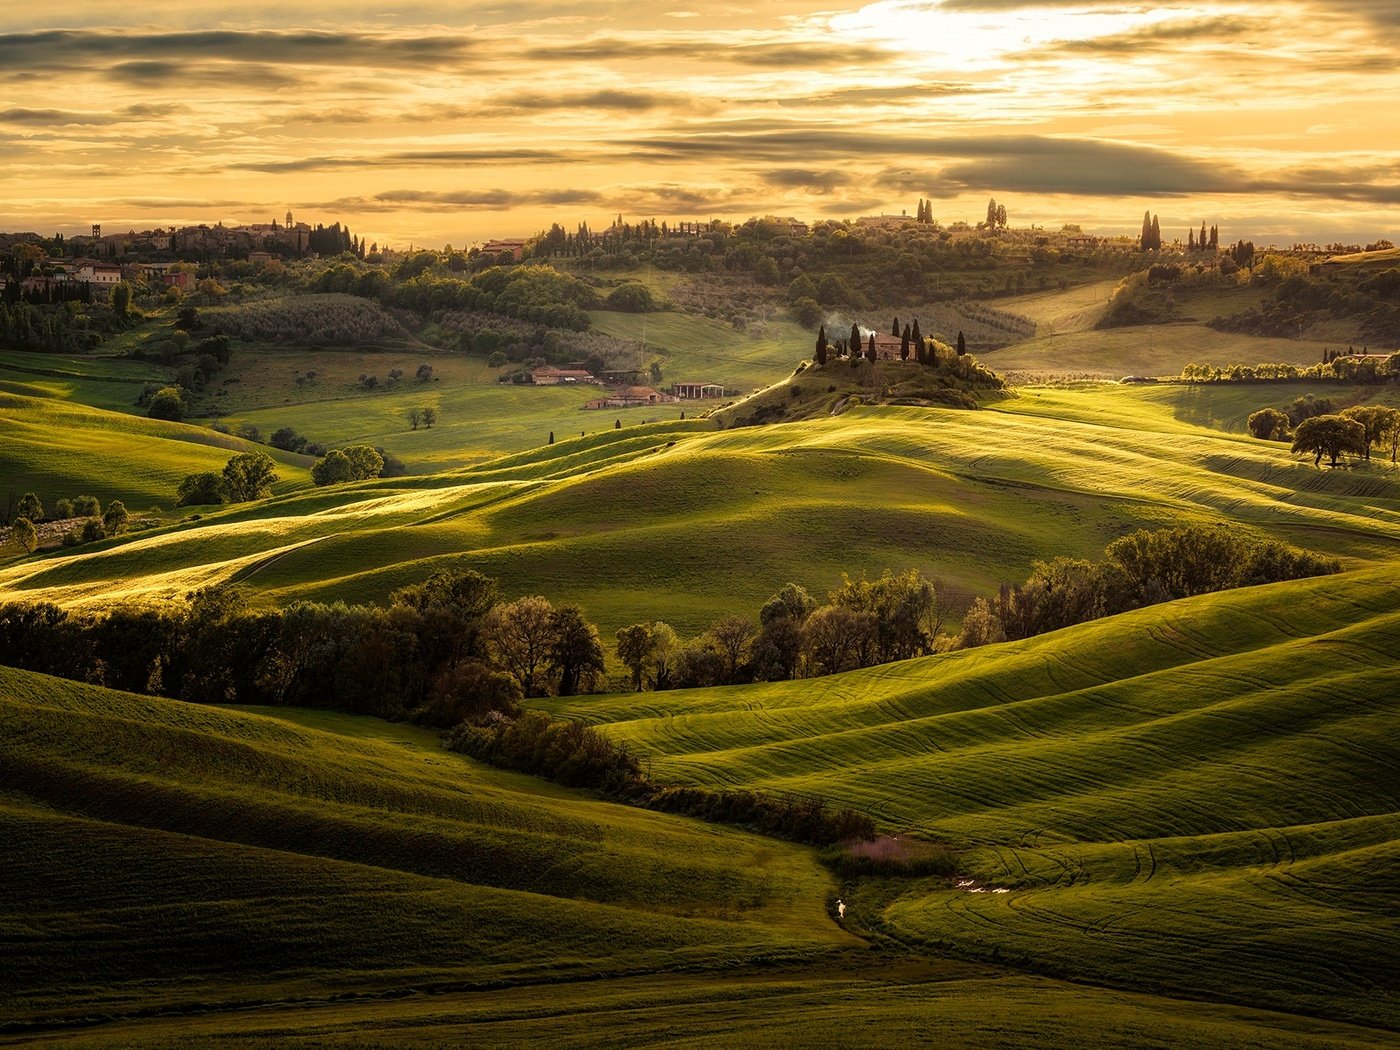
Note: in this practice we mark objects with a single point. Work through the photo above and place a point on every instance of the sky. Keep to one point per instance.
(438, 124)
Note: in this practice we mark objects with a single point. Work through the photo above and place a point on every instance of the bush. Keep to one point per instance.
(86, 507)
(632, 297)
(92, 531)
(200, 490)
(168, 403)
(1268, 424)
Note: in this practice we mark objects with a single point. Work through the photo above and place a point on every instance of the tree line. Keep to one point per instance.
(439, 652)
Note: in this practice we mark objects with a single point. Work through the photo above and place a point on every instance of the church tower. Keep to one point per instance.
(289, 218)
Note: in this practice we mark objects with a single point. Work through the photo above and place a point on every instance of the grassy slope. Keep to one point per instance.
(701, 349)
(159, 853)
(970, 497)
(178, 875)
(1198, 797)
(59, 449)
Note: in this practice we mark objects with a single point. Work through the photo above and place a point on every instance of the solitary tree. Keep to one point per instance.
(24, 535)
(551, 437)
(30, 507)
(1329, 436)
(115, 520)
(249, 476)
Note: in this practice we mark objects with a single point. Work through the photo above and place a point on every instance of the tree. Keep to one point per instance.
(962, 344)
(30, 507)
(576, 656)
(249, 476)
(24, 535)
(92, 531)
(732, 637)
(1001, 216)
(415, 416)
(1390, 434)
(86, 507)
(1375, 420)
(429, 416)
(288, 439)
(1268, 424)
(853, 347)
(200, 490)
(904, 344)
(992, 212)
(121, 300)
(115, 520)
(167, 403)
(424, 373)
(551, 437)
(1329, 436)
(870, 348)
(633, 649)
(520, 635)
(334, 468)
(820, 356)
(365, 461)
(894, 329)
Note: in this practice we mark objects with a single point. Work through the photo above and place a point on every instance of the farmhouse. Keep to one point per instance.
(887, 346)
(515, 248)
(632, 397)
(559, 376)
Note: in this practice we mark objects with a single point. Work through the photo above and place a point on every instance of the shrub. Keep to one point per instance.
(86, 507)
(92, 531)
(1268, 424)
(200, 490)
(168, 403)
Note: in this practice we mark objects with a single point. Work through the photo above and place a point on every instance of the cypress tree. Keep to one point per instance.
(904, 345)
(870, 349)
(894, 330)
(962, 344)
(820, 356)
(551, 437)
(1205, 235)
(917, 335)
(1191, 240)
(1156, 234)
(1146, 231)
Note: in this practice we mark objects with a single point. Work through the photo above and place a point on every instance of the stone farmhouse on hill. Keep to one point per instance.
(632, 397)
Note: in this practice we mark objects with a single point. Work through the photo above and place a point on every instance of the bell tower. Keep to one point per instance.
(289, 218)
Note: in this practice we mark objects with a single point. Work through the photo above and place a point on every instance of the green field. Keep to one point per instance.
(1197, 798)
(328, 880)
(969, 498)
(1175, 827)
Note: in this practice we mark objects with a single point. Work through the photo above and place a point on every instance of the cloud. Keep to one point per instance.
(456, 200)
(772, 54)
(813, 181)
(67, 48)
(602, 99)
(1158, 37)
(418, 159)
(151, 73)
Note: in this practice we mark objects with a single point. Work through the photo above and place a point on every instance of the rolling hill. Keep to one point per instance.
(1197, 798)
(623, 522)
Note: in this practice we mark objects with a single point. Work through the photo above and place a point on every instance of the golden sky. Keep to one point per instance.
(452, 123)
